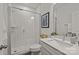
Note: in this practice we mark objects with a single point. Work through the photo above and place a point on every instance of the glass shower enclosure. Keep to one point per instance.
(24, 30)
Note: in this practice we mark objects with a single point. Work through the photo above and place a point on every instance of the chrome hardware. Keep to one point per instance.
(3, 46)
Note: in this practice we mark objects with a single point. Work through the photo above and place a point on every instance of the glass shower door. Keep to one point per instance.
(24, 30)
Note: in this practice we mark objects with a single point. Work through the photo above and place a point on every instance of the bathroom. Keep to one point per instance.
(39, 29)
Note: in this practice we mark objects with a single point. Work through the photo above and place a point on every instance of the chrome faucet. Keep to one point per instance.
(77, 39)
(78, 43)
(64, 35)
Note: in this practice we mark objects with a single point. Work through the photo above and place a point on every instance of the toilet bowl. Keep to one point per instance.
(35, 49)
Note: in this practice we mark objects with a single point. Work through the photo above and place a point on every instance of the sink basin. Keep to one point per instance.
(65, 44)
(73, 48)
(59, 42)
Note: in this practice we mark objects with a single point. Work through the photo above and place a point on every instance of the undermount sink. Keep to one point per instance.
(65, 44)
(71, 48)
(60, 42)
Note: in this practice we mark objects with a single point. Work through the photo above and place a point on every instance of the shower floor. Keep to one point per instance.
(20, 51)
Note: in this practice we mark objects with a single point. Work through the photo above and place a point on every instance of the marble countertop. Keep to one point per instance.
(64, 48)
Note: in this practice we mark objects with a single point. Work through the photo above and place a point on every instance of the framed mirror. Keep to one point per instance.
(45, 20)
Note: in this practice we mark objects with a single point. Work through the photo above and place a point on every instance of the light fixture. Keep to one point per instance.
(32, 17)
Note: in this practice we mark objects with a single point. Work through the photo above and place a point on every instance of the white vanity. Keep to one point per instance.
(48, 49)
(54, 46)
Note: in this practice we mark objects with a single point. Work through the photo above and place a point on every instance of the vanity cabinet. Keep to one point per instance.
(49, 50)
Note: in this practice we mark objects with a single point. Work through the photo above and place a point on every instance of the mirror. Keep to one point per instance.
(66, 18)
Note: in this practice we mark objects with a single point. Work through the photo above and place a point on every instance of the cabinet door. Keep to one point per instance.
(44, 52)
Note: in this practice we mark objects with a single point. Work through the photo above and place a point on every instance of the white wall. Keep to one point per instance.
(3, 22)
(63, 12)
(44, 8)
(3, 25)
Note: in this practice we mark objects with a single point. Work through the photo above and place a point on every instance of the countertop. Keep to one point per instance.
(68, 50)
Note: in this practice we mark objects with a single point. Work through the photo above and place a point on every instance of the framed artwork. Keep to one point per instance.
(45, 20)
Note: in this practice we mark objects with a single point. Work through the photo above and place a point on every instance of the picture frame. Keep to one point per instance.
(45, 20)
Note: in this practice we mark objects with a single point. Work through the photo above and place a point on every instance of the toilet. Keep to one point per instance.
(35, 49)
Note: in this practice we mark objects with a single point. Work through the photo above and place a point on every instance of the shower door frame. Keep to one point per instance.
(9, 17)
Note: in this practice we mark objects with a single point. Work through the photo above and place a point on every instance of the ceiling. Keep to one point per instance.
(32, 5)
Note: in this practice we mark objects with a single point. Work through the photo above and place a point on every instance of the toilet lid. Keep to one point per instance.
(35, 46)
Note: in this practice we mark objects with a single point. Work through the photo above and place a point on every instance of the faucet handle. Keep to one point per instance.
(78, 43)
